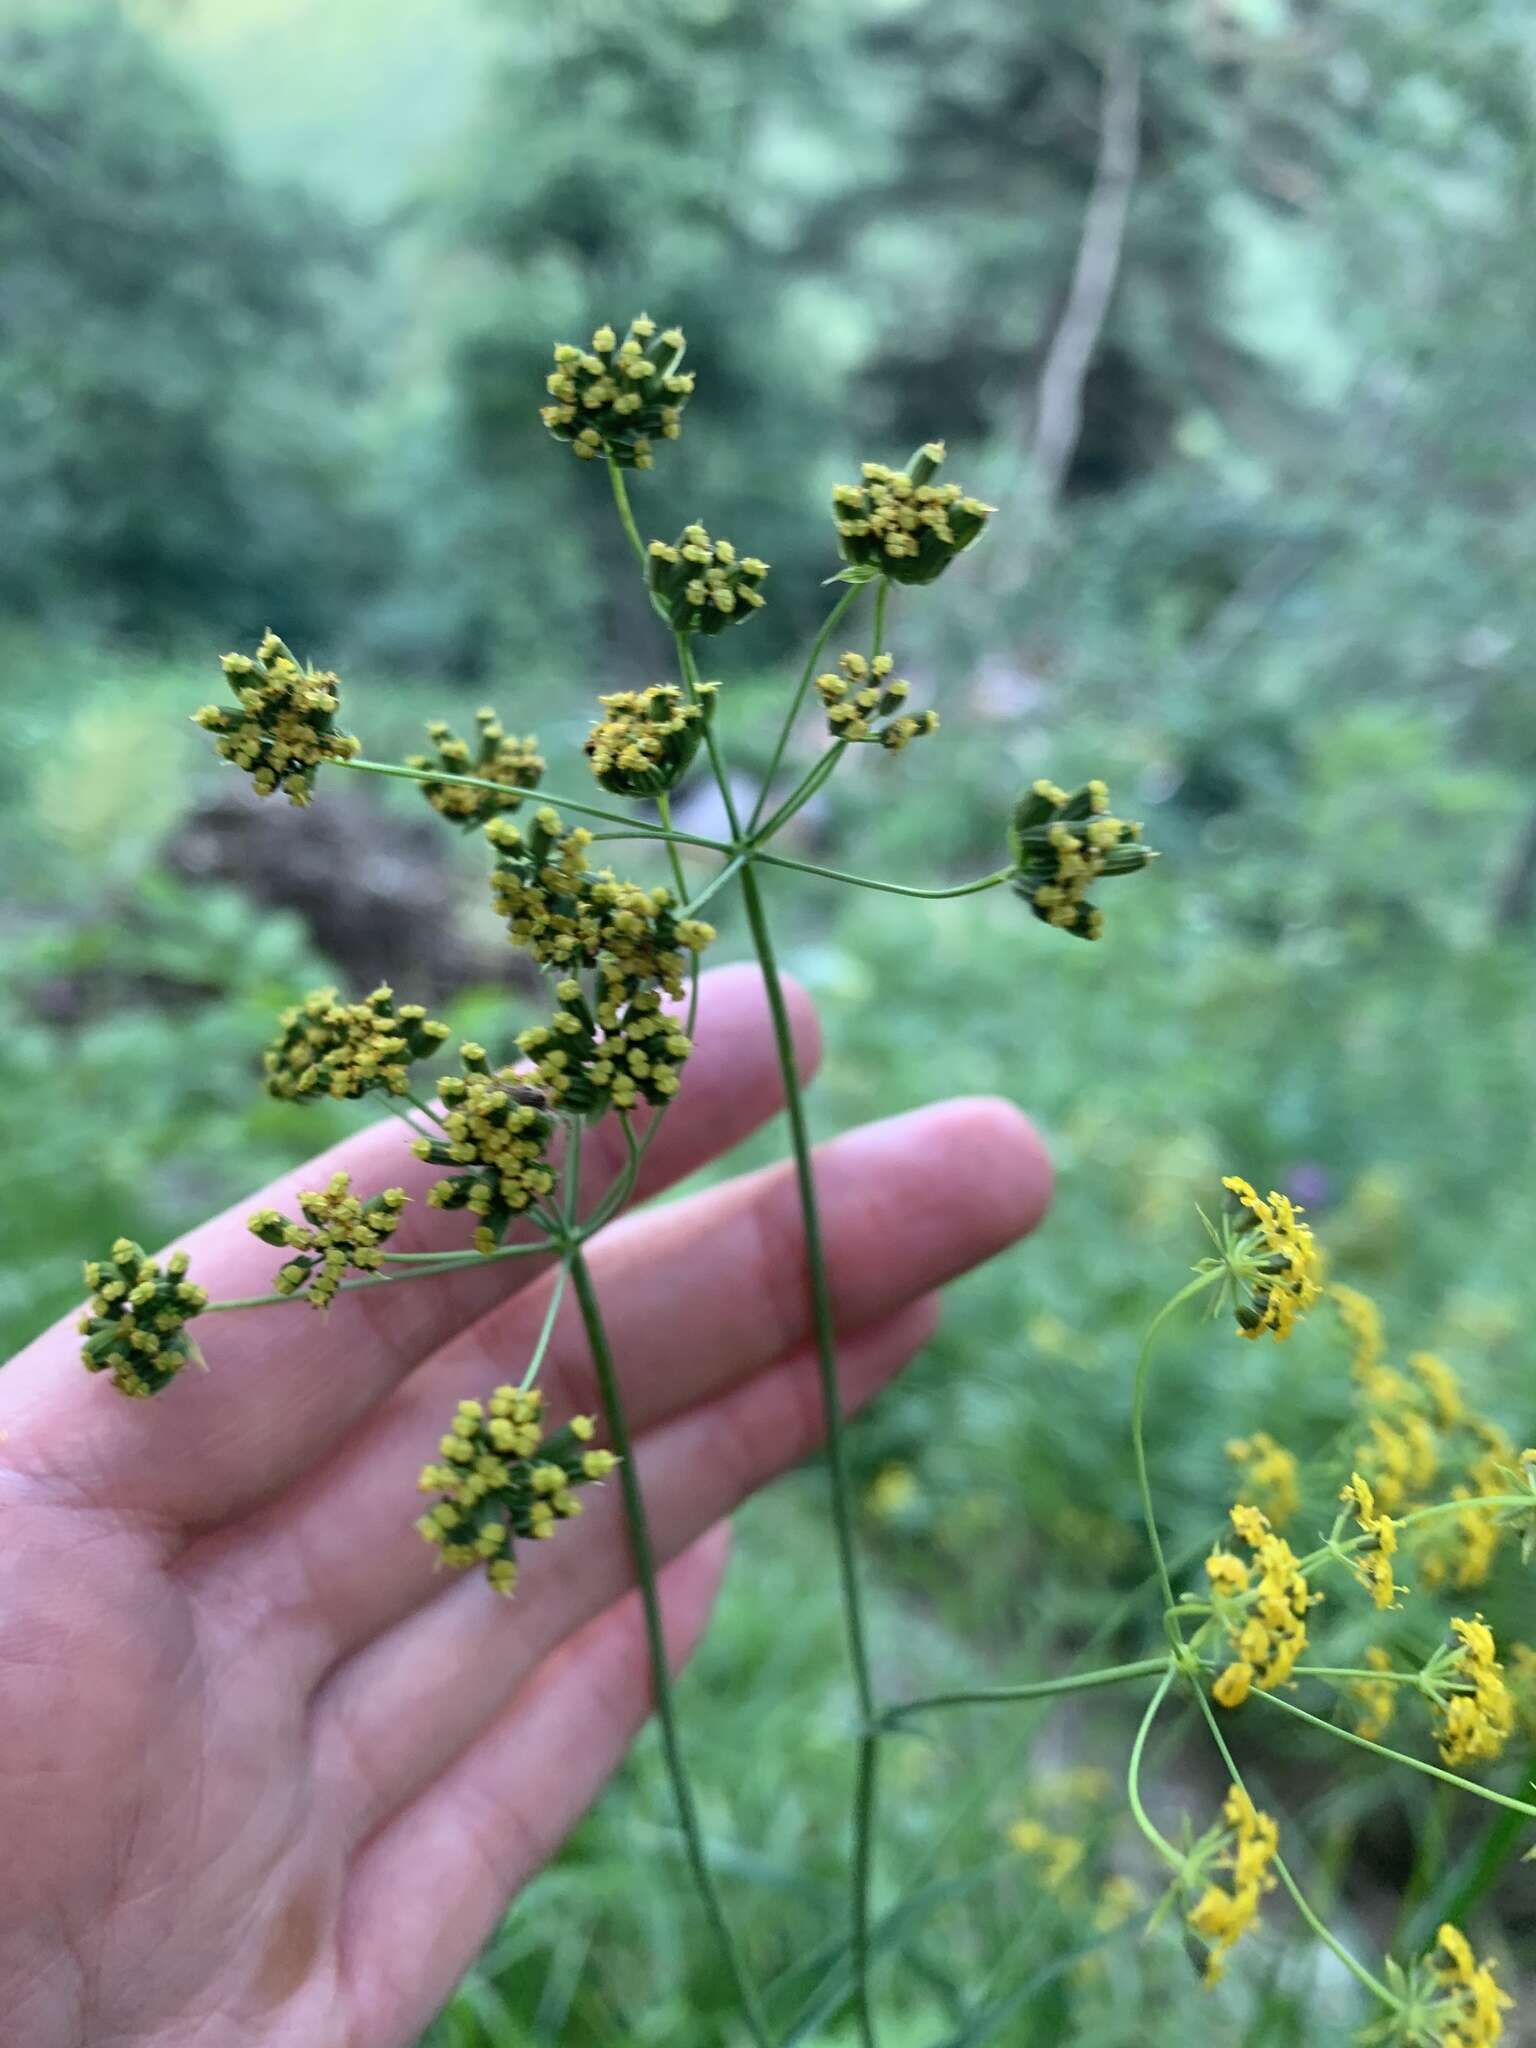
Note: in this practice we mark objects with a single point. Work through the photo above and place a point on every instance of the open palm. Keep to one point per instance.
(265, 1776)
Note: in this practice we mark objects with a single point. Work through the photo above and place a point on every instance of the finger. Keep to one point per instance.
(698, 1297)
(426, 1892)
(287, 1384)
(386, 1722)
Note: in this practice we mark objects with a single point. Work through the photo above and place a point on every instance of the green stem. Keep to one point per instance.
(712, 745)
(432, 1264)
(547, 1327)
(639, 828)
(728, 873)
(817, 775)
(807, 867)
(1139, 1813)
(661, 1677)
(1138, 1405)
(866, 1786)
(1038, 1689)
(882, 598)
(1329, 1940)
(626, 516)
(1397, 1756)
(664, 806)
(1433, 1513)
(850, 596)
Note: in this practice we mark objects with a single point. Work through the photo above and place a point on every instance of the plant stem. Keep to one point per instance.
(432, 1264)
(1397, 1756)
(626, 516)
(817, 775)
(837, 1452)
(679, 882)
(546, 1328)
(1038, 1689)
(1139, 1813)
(1330, 1940)
(1431, 1513)
(639, 828)
(661, 1677)
(849, 597)
(807, 867)
(1138, 1404)
(711, 737)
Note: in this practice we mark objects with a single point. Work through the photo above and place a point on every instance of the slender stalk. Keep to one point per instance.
(712, 745)
(638, 1527)
(431, 1266)
(1397, 1756)
(626, 516)
(1139, 1813)
(807, 867)
(849, 597)
(1329, 1940)
(638, 828)
(1412, 1519)
(1138, 1405)
(1038, 1689)
(679, 880)
(866, 1786)
(801, 795)
(546, 1328)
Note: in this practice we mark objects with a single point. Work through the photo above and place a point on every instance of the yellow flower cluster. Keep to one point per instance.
(618, 398)
(134, 1325)
(1244, 1850)
(1276, 1260)
(1372, 1564)
(646, 739)
(340, 1231)
(501, 1478)
(1058, 1856)
(863, 693)
(901, 524)
(614, 1055)
(1269, 1474)
(1261, 1607)
(328, 1047)
(515, 765)
(286, 722)
(1422, 1437)
(496, 1135)
(1475, 1721)
(1470, 2007)
(568, 916)
(703, 585)
(1062, 844)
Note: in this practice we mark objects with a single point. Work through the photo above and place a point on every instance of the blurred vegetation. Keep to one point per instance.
(271, 351)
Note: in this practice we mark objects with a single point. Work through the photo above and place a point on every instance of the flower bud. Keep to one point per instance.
(703, 585)
(901, 524)
(646, 740)
(618, 398)
(1062, 843)
(516, 764)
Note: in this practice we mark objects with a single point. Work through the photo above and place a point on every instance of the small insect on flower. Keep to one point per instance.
(1272, 1260)
(135, 1323)
(347, 1050)
(1062, 844)
(901, 524)
(644, 743)
(516, 766)
(285, 724)
(866, 702)
(703, 585)
(618, 398)
(1261, 1607)
(341, 1232)
(1241, 1847)
(501, 1478)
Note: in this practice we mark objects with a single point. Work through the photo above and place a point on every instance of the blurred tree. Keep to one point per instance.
(170, 372)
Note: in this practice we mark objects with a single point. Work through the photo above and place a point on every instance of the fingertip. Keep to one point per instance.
(736, 997)
(1019, 1175)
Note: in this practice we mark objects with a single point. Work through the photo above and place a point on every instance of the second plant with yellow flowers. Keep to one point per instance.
(1422, 1491)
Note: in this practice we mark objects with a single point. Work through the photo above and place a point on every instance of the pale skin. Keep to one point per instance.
(266, 1776)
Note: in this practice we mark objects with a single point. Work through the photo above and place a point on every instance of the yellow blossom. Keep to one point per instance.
(1375, 1698)
(1262, 1617)
(1270, 1474)
(1275, 1258)
(1224, 1911)
(1476, 1720)
(1373, 1564)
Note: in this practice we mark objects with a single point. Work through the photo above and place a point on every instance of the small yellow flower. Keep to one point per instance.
(515, 765)
(1476, 1719)
(1058, 1855)
(1373, 1565)
(1063, 844)
(891, 1492)
(134, 1325)
(1375, 1698)
(327, 1047)
(703, 585)
(340, 1232)
(285, 724)
(1265, 1618)
(1476, 2005)
(1245, 1848)
(865, 702)
(619, 398)
(1273, 1257)
(646, 739)
(1270, 1474)
(901, 524)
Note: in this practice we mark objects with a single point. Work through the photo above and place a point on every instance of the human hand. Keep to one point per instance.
(267, 1777)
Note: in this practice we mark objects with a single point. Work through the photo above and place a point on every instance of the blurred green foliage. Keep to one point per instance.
(1285, 605)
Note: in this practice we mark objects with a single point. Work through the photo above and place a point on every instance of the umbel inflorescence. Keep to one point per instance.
(1390, 1534)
